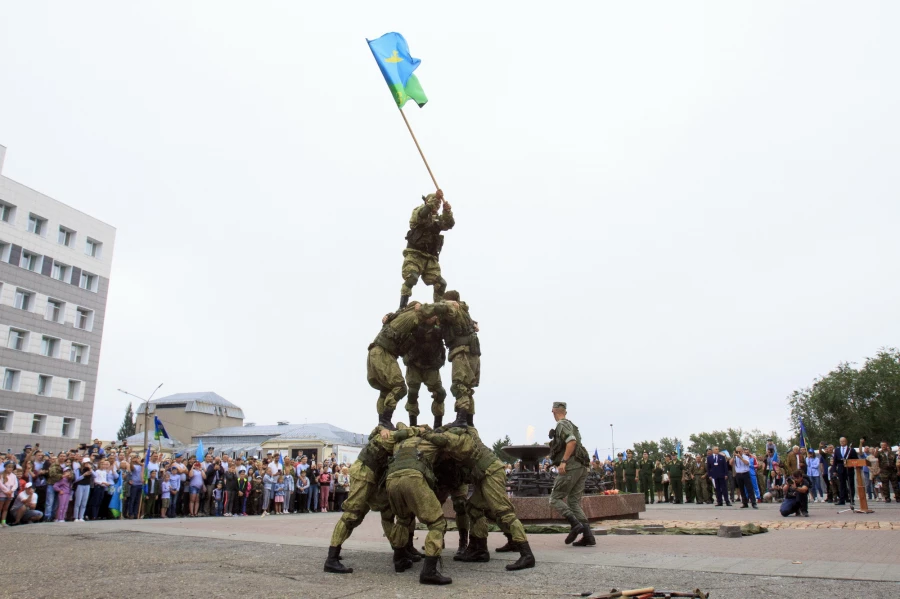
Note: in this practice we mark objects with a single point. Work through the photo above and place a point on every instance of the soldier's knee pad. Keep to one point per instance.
(440, 395)
(412, 395)
(440, 286)
(411, 279)
(459, 505)
(402, 390)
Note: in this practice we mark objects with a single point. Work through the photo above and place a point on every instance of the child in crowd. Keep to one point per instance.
(219, 498)
(303, 493)
(325, 487)
(63, 488)
(243, 492)
(166, 495)
(230, 489)
(279, 494)
(152, 496)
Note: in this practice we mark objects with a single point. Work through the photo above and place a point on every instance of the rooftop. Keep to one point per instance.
(322, 431)
(206, 402)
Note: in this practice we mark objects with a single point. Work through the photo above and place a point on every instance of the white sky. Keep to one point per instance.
(670, 215)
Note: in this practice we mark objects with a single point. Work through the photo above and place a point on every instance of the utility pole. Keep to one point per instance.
(613, 438)
(146, 411)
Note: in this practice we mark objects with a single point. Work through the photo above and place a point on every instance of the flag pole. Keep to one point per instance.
(418, 147)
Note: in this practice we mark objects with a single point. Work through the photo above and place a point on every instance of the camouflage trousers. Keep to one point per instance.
(383, 374)
(410, 497)
(491, 501)
(418, 264)
(568, 489)
(460, 503)
(465, 374)
(364, 495)
(701, 489)
(888, 482)
(432, 379)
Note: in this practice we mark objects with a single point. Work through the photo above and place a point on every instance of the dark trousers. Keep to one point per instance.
(173, 503)
(721, 490)
(229, 501)
(743, 483)
(800, 507)
(678, 491)
(847, 483)
(134, 500)
(666, 491)
(94, 501)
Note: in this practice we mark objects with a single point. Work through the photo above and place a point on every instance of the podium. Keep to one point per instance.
(860, 487)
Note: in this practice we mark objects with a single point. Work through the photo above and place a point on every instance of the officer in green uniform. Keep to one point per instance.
(701, 481)
(423, 365)
(619, 468)
(887, 463)
(675, 470)
(690, 466)
(631, 472)
(646, 476)
(423, 246)
(366, 475)
(571, 459)
(461, 337)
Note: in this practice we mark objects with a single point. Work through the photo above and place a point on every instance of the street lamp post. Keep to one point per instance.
(146, 410)
(613, 438)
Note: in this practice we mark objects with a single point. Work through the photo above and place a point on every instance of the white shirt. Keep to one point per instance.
(100, 477)
(273, 468)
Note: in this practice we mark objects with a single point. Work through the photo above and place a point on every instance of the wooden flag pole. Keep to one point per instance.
(418, 147)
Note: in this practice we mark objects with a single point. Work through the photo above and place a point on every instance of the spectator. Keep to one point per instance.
(813, 470)
(278, 490)
(165, 496)
(24, 508)
(288, 488)
(269, 481)
(341, 489)
(9, 488)
(312, 501)
(741, 464)
(324, 487)
(174, 490)
(303, 492)
(243, 491)
(54, 474)
(231, 488)
(135, 491)
(83, 488)
(63, 490)
(796, 495)
(197, 479)
(219, 498)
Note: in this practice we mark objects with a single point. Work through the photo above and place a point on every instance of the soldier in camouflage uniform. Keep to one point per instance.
(631, 472)
(701, 481)
(423, 246)
(646, 475)
(366, 474)
(619, 469)
(675, 470)
(453, 483)
(887, 463)
(489, 499)
(256, 492)
(423, 365)
(571, 458)
(461, 337)
(690, 467)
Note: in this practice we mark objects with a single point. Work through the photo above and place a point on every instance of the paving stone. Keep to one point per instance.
(729, 532)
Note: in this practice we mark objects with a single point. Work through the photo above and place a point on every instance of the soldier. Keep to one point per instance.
(619, 468)
(423, 365)
(701, 482)
(571, 458)
(646, 471)
(631, 472)
(887, 462)
(256, 490)
(676, 472)
(410, 488)
(453, 482)
(489, 499)
(366, 474)
(423, 246)
(395, 339)
(690, 467)
(461, 337)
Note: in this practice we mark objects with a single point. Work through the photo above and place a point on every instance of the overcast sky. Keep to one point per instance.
(669, 216)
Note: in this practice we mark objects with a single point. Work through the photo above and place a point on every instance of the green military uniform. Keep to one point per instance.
(690, 467)
(568, 488)
(461, 337)
(676, 472)
(452, 481)
(619, 469)
(423, 365)
(887, 462)
(410, 487)
(256, 490)
(701, 482)
(646, 476)
(631, 473)
(424, 243)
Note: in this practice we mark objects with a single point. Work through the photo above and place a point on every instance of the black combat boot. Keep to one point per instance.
(333, 563)
(588, 539)
(384, 419)
(510, 545)
(412, 552)
(526, 558)
(470, 420)
(463, 541)
(438, 420)
(577, 529)
(430, 574)
(476, 552)
(413, 420)
(461, 420)
(404, 299)
(401, 560)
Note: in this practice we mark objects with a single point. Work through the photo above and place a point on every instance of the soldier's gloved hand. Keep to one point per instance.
(436, 440)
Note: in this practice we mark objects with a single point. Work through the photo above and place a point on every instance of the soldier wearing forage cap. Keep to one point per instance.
(571, 458)
(424, 243)
(619, 469)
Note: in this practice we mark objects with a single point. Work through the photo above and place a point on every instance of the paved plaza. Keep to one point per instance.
(850, 555)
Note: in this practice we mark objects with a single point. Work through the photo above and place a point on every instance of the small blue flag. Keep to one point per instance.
(199, 453)
(160, 429)
(596, 455)
(608, 458)
(804, 440)
(678, 449)
(115, 502)
(146, 474)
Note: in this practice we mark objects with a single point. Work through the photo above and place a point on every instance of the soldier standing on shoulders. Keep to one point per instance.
(646, 470)
(423, 365)
(461, 337)
(571, 458)
(423, 246)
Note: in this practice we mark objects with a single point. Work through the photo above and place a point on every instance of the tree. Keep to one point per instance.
(651, 447)
(668, 445)
(728, 439)
(128, 428)
(498, 446)
(853, 403)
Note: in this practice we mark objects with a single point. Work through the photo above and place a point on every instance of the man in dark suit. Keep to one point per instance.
(717, 468)
(845, 474)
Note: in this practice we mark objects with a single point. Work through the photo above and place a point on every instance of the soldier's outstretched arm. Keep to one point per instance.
(447, 220)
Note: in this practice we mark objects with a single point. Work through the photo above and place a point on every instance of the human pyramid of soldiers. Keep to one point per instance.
(408, 472)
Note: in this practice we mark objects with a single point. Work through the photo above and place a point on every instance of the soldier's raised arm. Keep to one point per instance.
(447, 220)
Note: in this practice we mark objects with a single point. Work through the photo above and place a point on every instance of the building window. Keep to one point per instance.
(17, 339)
(24, 299)
(4, 251)
(56, 311)
(93, 247)
(38, 424)
(88, 281)
(49, 346)
(7, 212)
(60, 272)
(36, 224)
(78, 354)
(68, 427)
(6, 419)
(84, 319)
(45, 384)
(66, 237)
(74, 392)
(11, 380)
(30, 261)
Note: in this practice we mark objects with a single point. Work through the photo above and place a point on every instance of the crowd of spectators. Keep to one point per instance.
(100, 483)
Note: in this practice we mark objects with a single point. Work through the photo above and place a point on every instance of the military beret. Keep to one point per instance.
(559, 404)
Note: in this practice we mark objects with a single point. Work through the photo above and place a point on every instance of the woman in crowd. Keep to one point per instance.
(341, 489)
(83, 488)
(324, 487)
(269, 481)
(197, 476)
(658, 472)
(312, 502)
(9, 488)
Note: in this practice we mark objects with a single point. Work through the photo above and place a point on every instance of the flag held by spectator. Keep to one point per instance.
(160, 431)
(199, 453)
(596, 455)
(804, 440)
(146, 472)
(115, 502)
(391, 52)
(678, 449)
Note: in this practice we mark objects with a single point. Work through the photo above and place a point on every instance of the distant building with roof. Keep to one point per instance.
(187, 414)
(314, 440)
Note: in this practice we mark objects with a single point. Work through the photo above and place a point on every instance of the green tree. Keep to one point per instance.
(668, 445)
(498, 446)
(732, 437)
(852, 402)
(651, 447)
(127, 429)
